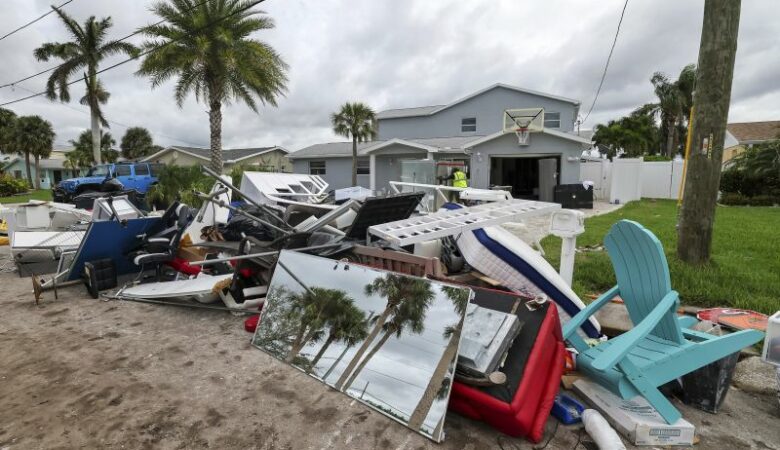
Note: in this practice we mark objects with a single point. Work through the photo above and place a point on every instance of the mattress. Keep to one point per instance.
(505, 258)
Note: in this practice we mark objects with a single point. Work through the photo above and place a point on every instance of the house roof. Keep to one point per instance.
(229, 155)
(430, 110)
(344, 149)
(330, 150)
(547, 131)
(754, 132)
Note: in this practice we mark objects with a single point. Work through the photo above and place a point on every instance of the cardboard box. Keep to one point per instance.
(635, 419)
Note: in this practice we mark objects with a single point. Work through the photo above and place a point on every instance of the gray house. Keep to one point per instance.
(467, 132)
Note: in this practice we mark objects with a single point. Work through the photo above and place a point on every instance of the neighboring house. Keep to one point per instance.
(272, 159)
(740, 136)
(53, 168)
(469, 131)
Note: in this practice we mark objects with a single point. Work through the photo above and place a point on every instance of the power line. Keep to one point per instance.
(151, 50)
(113, 122)
(606, 66)
(138, 31)
(32, 21)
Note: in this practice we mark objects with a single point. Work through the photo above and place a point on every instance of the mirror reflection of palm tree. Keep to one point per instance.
(346, 323)
(436, 386)
(314, 308)
(408, 300)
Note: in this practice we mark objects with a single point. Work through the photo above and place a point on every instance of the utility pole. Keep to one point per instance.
(711, 99)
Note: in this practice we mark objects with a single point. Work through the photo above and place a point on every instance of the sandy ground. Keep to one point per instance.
(83, 373)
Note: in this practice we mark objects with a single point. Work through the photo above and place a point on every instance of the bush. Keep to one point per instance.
(653, 158)
(12, 186)
(178, 183)
(737, 199)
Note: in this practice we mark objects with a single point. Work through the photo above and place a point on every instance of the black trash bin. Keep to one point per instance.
(573, 196)
(706, 388)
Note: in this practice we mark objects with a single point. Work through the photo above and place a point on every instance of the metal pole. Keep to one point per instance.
(298, 280)
(240, 211)
(257, 255)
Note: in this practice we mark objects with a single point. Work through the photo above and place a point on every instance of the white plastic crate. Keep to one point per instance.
(772, 341)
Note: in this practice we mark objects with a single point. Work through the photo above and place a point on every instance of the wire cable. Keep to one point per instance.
(606, 66)
(32, 21)
(138, 31)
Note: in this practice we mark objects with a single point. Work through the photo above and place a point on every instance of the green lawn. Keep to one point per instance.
(40, 194)
(745, 267)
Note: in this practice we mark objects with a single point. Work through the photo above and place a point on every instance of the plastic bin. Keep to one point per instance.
(771, 353)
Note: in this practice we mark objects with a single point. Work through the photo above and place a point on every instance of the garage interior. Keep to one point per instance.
(527, 177)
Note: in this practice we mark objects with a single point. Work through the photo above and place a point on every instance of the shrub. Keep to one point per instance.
(652, 158)
(737, 199)
(176, 182)
(731, 181)
(12, 186)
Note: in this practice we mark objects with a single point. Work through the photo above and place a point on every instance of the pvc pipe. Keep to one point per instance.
(568, 246)
(602, 433)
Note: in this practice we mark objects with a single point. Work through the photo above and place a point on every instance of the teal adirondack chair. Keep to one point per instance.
(660, 347)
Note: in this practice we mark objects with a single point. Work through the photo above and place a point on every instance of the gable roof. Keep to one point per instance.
(755, 132)
(430, 110)
(344, 149)
(229, 155)
(548, 131)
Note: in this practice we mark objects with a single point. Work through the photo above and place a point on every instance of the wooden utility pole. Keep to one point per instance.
(711, 99)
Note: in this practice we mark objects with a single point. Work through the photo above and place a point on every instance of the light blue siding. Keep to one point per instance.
(338, 171)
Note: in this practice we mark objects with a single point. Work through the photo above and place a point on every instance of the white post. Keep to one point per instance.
(372, 172)
(567, 224)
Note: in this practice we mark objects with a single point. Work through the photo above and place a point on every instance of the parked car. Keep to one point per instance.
(137, 176)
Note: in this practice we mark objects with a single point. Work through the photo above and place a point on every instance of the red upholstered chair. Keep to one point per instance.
(533, 367)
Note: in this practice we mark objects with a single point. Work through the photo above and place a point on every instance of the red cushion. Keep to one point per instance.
(183, 266)
(250, 324)
(527, 414)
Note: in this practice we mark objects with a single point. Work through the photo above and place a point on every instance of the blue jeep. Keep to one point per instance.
(138, 176)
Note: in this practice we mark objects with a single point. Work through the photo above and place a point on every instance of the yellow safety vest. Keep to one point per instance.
(459, 180)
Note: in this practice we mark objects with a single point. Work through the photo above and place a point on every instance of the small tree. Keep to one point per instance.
(34, 136)
(7, 127)
(136, 143)
(83, 146)
(358, 122)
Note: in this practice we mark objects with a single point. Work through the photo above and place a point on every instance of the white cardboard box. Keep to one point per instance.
(635, 419)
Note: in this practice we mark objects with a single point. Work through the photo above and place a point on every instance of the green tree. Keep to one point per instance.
(34, 136)
(635, 134)
(82, 147)
(83, 53)
(675, 99)
(137, 143)
(7, 127)
(355, 121)
(208, 46)
(315, 308)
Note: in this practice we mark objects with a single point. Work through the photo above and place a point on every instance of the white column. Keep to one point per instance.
(372, 172)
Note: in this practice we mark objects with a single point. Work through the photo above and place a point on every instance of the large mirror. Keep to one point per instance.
(386, 339)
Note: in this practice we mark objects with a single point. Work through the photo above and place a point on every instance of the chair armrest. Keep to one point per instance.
(623, 344)
(577, 321)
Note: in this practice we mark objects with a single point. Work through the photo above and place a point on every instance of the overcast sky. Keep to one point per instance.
(402, 53)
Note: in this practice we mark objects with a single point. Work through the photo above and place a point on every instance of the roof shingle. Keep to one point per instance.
(751, 132)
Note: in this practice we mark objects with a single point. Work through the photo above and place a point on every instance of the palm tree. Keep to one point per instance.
(316, 307)
(207, 45)
(346, 324)
(438, 382)
(407, 300)
(358, 122)
(675, 99)
(84, 53)
(7, 127)
(136, 143)
(34, 136)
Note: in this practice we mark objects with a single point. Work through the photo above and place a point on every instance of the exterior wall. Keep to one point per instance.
(178, 159)
(276, 159)
(541, 145)
(488, 108)
(47, 175)
(731, 152)
(338, 171)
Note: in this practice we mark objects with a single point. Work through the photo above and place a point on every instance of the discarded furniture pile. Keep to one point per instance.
(409, 303)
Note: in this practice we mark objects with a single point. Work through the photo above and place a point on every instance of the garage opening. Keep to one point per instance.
(528, 177)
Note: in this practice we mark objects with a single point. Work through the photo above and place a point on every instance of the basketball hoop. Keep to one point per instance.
(523, 135)
(523, 122)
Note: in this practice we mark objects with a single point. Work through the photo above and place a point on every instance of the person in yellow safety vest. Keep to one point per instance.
(459, 179)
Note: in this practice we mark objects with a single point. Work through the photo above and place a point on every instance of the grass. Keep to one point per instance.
(744, 271)
(40, 194)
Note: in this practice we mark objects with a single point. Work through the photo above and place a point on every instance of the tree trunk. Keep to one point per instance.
(354, 161)
(322, 351)
(365, 360)
(297, 344)
(363, 347)
(29, 170)
(714, 75)
(215, 123)
(670, 138)
(95, 117)
(37, 171)
(424, 405)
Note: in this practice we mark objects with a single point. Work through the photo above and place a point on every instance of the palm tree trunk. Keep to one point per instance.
(354, 161)
(424, 406)
(365, 360)
(318, 356)
(215, 123)
(27, 166)
(363, 347)
(37, 171)
(296, 345)
(670, 138)
(94, 115)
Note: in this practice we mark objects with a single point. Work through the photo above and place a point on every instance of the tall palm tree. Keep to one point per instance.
(34, 136)
(208, 46)
(316, 308)
(84, 53)
(346, 324)
(438, 383)
(358, 122)
(397, 289)
(675, 99)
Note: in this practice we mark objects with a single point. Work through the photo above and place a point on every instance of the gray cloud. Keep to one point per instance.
(397, 53)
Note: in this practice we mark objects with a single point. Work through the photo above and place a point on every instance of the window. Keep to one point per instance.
(552, 120)
(468, 125)
(363, 167)
(316, 167)
(99, 171)
(141, 169)
(156, 169)
(122, 170)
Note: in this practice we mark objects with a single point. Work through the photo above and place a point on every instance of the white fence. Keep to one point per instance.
(627, 179)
